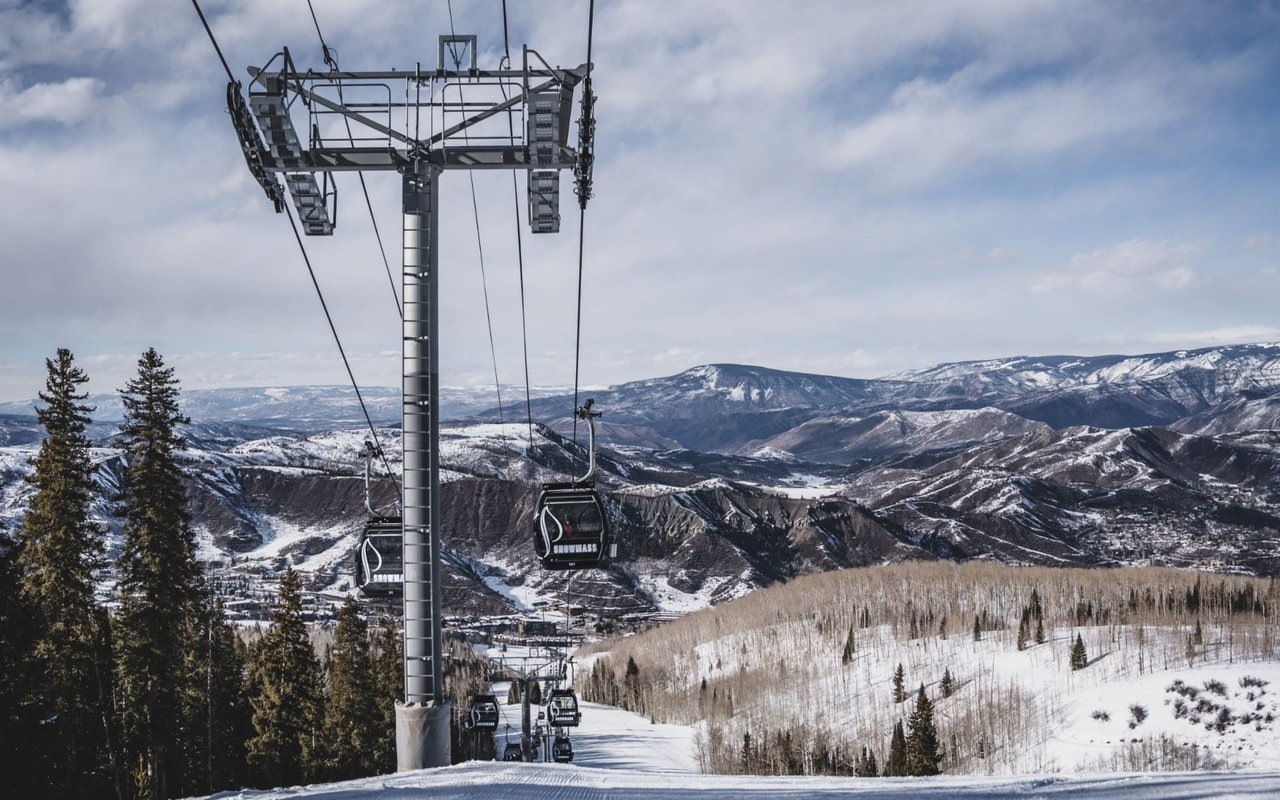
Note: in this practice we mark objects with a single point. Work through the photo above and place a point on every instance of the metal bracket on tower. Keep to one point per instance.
(310, 199)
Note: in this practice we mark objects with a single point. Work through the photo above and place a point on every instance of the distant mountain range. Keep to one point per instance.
(725, 477)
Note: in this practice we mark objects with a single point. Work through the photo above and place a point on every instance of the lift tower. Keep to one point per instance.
(420, 123)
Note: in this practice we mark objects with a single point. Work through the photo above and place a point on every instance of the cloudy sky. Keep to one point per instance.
(842, 187)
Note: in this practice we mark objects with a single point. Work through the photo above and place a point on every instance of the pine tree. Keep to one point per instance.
(923, 755)
(948, 684)
(631, 685)
(1035, 607)
(942, 628)
(60, 547)
(899, 692)
(19, 758)
(1040, 639)
(1079, 656)
(896, 765)
(1022, 632)
(866, 766)
(847, 656)
(388, 668)
(216, 711)
(977, 629)
(160, 580)
(287, 706)
(1199, 634)
(352, 719)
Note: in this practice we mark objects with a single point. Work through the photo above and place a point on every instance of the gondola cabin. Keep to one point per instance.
(562, 750)
(571, 528)
(562, 709)
(482, 715)
(512, 752)
(380, 558)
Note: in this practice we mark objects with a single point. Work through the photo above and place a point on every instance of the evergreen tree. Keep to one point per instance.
(388, 670)
(1040, 638)
(59, 548)
(216, 711)
(1034, 607)
(18, 715)
(1079, 656)
(287, 705)
(352, 719)
(896, 765)
(942, 628)
(869, 767)
(922, 755)
(847, 656)
(948, 684)
(1022, 632)
(977, 629)
(631, 685)
(160, 580)
(899, 692)
(1199, 634)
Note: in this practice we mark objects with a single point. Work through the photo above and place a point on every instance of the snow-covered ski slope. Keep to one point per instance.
(619, 755)
(498, 781)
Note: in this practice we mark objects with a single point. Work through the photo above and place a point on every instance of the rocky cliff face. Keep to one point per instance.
(799, 474)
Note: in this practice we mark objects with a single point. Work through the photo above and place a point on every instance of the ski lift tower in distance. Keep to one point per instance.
(420, 123)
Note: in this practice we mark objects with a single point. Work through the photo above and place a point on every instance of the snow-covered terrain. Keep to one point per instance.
(499, 781)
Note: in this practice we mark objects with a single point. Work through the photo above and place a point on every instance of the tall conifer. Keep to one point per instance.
(215, 708)
(353, 715)
(287, 710)
(896, 765)
(159, 577)
(60, 548)
(922, 740)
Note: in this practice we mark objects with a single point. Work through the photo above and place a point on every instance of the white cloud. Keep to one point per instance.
(66, 102)
(1133, 265)
(979, 136)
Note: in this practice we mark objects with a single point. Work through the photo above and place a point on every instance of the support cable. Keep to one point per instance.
(582, 219)
(515, 195)
(230, 75)
(331, 60)
(337, 340)
(307, 260)
(475, 210)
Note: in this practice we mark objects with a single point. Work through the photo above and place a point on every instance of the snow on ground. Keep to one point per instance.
(478, 780)
(1230, 712)
(615, 739)
(672, 600)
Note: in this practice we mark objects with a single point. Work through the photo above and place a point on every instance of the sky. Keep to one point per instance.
(848, 188)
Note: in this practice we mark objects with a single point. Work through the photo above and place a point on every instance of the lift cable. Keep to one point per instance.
(331, 60)
(338, 341)
(230, 75)
(582, 219)
(475, 209)
(307, 260)
(515, 195)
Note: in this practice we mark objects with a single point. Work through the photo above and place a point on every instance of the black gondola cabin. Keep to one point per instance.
(571, 530)
(562, 709)
(380, 557)
(562, 750)
(482, 715)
